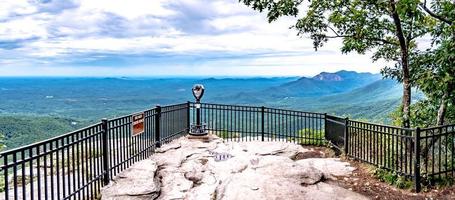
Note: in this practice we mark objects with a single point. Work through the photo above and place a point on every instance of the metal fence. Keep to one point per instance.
(77, 164)
(425, 155)
(437, 146)
(246, 123)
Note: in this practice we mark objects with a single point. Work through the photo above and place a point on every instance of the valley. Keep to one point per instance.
(32, 109)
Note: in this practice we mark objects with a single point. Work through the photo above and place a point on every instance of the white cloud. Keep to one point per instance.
(24, 28)
(16, 7)
(130, 9)
(223, 36)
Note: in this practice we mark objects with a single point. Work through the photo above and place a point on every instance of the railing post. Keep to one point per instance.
(188, 116)
(262, 123)
(104, 125)
(346, 136)
(417, 160)
(157, 126)
(325, 126)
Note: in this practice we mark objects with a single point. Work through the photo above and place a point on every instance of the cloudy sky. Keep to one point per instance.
(158, 38)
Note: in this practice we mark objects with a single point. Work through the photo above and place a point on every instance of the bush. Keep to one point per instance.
(393, 178)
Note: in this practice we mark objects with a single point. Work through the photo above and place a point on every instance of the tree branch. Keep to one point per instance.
(431, 13)
(333, 30)
(384, 41)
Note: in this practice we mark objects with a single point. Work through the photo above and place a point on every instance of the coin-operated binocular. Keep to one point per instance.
(198, 129)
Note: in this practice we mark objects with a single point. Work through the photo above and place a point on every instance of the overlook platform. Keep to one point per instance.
(216, 169)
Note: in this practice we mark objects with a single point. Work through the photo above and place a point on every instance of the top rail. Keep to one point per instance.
(381, 125)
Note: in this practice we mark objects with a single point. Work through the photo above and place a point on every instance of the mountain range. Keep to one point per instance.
(324, 84)
(55, 105)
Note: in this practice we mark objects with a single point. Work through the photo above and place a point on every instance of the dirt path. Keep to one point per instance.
(362, 181)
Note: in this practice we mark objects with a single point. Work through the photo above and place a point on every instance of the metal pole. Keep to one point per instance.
(188, 119)
(157, 126)
(104, 125)
(417, 160)
(346, 137)
(325, 127)
(262, 123)
(198, 113)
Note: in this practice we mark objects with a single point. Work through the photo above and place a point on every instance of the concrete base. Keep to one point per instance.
(205, 138)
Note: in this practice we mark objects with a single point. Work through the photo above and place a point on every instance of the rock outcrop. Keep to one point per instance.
(193, 169)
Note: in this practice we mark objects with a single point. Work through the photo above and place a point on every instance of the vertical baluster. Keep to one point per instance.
(73, 164)
(30, 163)
(23, 183)
(52, 172)
(38, 168)
(15, 176)
(57, 168)
(5, 174)
(78, 160)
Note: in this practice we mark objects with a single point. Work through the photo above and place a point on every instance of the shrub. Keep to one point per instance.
(393, 178)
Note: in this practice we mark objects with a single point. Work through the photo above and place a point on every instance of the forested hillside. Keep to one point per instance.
(32, 109)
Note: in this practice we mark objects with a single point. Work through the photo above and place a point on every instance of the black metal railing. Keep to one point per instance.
(247, 123)
(67, 166)
(389, 147)
(77, 164)
(436, 147)
(425, 155)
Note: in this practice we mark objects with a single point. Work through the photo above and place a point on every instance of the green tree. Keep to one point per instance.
(388, 28)
(434, 68)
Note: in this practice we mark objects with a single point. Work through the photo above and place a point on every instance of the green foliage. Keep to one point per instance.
(432, 70)
(362, 25)
(2, 183)
(387, 28)
(311, 137)
(393, 178)
(442, 181)
(23, 130)
(227, 135)
(423, 114)
(2, 141)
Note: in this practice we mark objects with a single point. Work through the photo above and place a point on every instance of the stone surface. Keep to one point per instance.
(189, 169)
(138, 182)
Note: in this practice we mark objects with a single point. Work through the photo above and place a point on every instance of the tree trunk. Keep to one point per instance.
(404, 65)
(406, 97)
(440, 121)
(442, 108)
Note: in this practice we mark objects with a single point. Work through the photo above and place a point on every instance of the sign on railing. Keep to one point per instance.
(138, 124)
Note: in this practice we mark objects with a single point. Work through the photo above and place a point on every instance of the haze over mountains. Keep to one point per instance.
(325, 84)
(69, 103)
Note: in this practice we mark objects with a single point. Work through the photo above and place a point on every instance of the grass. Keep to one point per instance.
(310, 137)
(227, 135)
(393, 178)
(438, 182)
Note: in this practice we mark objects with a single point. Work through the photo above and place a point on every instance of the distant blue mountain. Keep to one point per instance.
(324, 84)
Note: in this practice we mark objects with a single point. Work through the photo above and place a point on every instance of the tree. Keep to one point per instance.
(388, 28)
(436, 71)
(434, 68)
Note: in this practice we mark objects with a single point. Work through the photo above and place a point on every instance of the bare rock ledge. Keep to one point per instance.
(215, 169)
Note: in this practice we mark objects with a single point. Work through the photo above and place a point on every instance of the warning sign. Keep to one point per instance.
(138, 124)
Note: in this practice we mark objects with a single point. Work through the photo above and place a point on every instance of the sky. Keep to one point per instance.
(159, 38)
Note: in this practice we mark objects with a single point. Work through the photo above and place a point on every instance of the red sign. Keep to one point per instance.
(138, 124)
